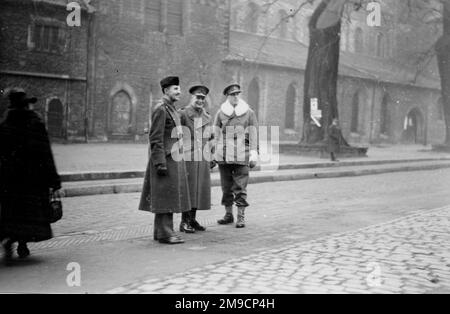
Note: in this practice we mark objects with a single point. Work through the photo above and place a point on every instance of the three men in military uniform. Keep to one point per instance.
(178, 179)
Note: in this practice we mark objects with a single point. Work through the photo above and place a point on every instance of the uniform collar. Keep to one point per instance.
(194, 114)
(168, 101)
(241, 109)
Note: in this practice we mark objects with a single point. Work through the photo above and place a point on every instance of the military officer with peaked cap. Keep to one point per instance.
(198, 156)
(235, 154)
(165, 189)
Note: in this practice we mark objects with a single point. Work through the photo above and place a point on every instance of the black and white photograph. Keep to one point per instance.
(224, 153)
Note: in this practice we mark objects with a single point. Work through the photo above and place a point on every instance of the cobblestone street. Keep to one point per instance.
(385, 233)
(409, 255)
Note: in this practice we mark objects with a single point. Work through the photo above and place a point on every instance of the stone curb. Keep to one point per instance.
(122, 188)
(134, 174)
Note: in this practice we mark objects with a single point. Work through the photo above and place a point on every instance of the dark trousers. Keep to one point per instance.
(234, 180)
(163, 228)
(333, 156)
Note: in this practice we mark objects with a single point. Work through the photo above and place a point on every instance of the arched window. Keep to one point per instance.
(252, 18)
(283, 20)
(253, 95)
(384, 116)
(291, 97)
(381, 45)
(55, 118)
(121, 113)
(355, 114)
(414, 129)
(359, 40)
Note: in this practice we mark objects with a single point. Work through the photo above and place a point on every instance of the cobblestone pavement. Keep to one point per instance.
(408, 255)
(288, 204)
(112, 240)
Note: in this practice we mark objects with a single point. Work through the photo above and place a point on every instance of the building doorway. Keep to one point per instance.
(55, 118)
(414, 131)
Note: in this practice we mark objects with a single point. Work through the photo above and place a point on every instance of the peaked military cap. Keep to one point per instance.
(232, 89)
(199, 90)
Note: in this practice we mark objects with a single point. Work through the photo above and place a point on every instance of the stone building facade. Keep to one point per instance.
(108, 85)
(41, 54)
(380, 98)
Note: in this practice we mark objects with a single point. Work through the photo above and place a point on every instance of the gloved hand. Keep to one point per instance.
(213, 164)
(162, 171)
(253, 162)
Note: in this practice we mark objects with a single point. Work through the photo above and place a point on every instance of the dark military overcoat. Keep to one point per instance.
(166, 194)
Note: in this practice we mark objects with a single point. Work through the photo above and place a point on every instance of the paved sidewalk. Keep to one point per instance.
(126, 157)
(408, 255)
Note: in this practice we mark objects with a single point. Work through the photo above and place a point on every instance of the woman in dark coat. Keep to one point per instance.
(27, 175)
(198, 164)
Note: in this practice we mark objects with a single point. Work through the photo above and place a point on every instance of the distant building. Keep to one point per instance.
(40, 53)
(106, 87)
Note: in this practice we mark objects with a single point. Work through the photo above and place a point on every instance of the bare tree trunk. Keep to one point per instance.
(443, 55)
(322, 69)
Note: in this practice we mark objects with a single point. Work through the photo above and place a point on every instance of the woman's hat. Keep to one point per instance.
(18, 98)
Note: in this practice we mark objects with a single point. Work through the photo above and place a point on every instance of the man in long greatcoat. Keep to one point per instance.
(198, 156)
(165, 189)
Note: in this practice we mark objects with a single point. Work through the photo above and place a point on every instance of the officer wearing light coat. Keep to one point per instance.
(236, 152)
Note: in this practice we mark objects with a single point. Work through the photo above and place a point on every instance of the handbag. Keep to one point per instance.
(55, 207)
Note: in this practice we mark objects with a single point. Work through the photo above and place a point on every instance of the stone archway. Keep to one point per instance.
(122, 112)
(414, 127)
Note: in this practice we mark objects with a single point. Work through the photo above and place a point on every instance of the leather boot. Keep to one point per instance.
(228, 219)
(185, 225)
(7, 247)
(241, 218)
(194, 223)
(23, 250)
